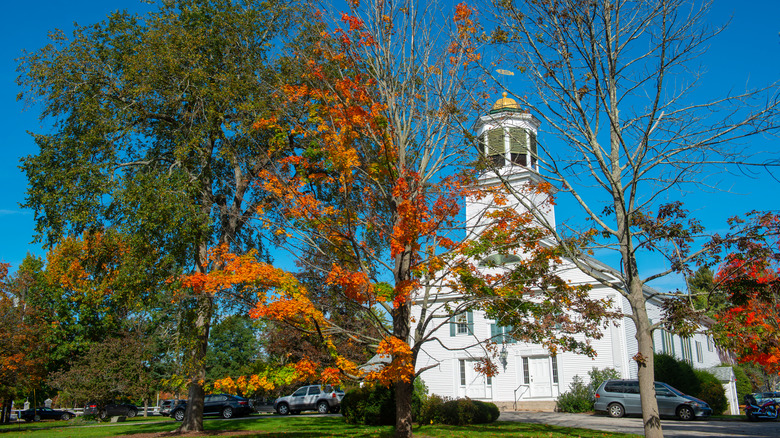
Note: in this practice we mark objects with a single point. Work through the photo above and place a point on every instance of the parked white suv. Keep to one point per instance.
(320, 398)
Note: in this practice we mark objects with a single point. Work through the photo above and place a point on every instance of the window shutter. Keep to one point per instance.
(470, 321)
(495, 333)
(517, 143)
(453, 326)
(496, 142)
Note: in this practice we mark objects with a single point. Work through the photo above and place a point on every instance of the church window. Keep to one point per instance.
(462, 324)
(526, 372)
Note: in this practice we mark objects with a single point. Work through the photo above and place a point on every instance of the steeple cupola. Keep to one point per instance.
(507, 139)
(507, 135)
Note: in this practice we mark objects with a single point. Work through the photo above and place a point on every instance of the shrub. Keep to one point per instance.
(419, 395)
(597, 377)
(372, 405)
(578, 398)
(676, 373)
(744, 387)
(457, 412)
(711, 391)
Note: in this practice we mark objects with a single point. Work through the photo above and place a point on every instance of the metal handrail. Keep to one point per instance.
(527, 387)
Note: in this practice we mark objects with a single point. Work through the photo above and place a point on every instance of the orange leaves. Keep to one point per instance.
(401, 367)
(229, 270)
(306, 369)
(355, 285)
(466, 29)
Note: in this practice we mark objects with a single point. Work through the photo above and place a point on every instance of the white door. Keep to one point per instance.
(539, 369)
(475, 382)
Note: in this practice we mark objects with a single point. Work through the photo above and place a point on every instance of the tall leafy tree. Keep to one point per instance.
(611, 78)
(151, 135)
(23, 341)
(370, 195)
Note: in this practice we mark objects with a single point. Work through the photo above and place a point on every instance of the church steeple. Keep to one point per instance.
(507, 139)
(507, 135)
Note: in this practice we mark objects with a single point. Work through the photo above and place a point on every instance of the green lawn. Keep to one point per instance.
(270, 426)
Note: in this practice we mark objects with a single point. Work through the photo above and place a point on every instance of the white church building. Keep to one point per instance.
(529, 377)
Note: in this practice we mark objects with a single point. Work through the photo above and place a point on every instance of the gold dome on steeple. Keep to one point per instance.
(505, 104)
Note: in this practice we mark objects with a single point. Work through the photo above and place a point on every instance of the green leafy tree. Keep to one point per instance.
(234, 346)
(152, 134)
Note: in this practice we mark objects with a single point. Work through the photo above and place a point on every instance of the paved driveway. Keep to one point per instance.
(672, 428)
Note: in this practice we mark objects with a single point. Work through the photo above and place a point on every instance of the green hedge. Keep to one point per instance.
(457, 412)
(369, 405)
(712, 392)
(374, 405)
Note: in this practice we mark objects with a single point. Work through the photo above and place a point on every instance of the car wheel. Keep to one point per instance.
(65, 417)
(227, 412)
(283, 409)
(322, 407)
(37, 417)
(103, 415)
(685, 413)
(131, 413)
(179, 415)
(750, 416)
(616, 410)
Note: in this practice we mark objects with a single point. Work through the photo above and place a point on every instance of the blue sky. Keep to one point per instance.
(746, 54)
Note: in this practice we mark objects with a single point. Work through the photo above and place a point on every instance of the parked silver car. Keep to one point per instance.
(320, 398)
(621, 397)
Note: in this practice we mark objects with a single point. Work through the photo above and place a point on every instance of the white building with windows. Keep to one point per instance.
(529, 377)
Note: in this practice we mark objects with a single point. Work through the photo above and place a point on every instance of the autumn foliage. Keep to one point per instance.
(749, 324)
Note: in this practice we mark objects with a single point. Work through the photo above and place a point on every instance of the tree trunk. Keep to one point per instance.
(146, 406)
(403, 409)
(193, 416)
(645, 363)
(402, 329)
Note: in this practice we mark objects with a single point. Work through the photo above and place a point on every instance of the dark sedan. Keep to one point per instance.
(39, 414)
(111, 410)
(225, 405)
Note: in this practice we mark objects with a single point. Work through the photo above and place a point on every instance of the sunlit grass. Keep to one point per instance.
(272, 426)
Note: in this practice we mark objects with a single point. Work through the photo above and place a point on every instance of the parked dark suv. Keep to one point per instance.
(225, 405)
(322, 399)
(111, 410)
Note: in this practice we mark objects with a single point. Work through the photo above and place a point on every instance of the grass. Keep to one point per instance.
(271, 426)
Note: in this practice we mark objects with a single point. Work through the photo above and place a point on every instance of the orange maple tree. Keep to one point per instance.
(378, 165)
(23, 345)
(374, 183)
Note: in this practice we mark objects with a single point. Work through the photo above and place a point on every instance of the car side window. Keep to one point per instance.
(662, 390)
(631, 387)
(614, 387)
(300, 393)
(314, 390)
